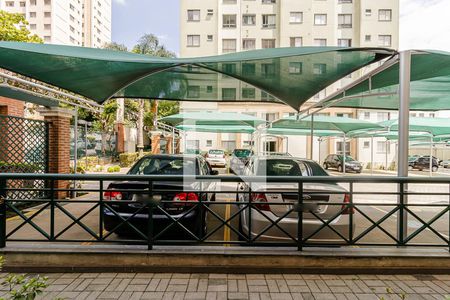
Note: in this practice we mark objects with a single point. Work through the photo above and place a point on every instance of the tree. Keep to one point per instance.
(115, 46)
(13, 27)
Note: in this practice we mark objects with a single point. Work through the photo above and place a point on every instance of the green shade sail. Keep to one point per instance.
(340, 124)
(289, 75)
(430, 85)
(217, 128)
(433, 126)
(303, 132)
(212, 119)
(390, 135)
(19, 94)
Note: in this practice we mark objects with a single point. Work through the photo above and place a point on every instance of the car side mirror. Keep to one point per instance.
(214, 172)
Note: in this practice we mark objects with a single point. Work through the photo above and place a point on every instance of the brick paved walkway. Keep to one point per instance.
(221, 286)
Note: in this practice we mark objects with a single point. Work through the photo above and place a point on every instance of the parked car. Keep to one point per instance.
(445, 163)
(334, 161)
(277, 154)
(178, 203)
(216, 158)
(434, 157)
(239, 159)
(423, 163)
(192, 151)
(317, 197)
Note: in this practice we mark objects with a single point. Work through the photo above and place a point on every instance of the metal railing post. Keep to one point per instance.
(101, 207)
(52, 210)
(300, 216)
(351, 209)
(150, 226)
(2, 213)
(250, 214)
(401, 222)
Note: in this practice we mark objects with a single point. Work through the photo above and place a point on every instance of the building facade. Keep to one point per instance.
(212, 27)
(66, 22)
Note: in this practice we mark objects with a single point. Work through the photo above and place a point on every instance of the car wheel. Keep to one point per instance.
(325, 166)
(434, 169)
(241, 231)
(340, 170)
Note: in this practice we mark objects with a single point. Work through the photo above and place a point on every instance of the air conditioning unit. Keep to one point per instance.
(210, 12)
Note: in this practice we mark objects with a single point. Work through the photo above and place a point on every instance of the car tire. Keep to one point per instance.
(434, 169)
(340, 169)
(325, 166)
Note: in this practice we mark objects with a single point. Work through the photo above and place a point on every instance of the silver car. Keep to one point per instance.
(316, 204)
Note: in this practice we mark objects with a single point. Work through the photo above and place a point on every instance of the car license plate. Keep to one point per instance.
(274, 197)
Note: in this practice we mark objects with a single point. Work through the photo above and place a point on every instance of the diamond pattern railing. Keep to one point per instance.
(23, 149)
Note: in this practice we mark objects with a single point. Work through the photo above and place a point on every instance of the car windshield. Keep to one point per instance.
(242, 152)
(165, 166)
(278, 167)
(216, 152)
(347, 158)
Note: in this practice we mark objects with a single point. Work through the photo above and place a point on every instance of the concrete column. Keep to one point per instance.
(156, 142)
(59, 144)
(169, 144)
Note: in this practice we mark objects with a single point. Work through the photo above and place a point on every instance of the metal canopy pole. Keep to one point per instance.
(345, 154)
(386, 153)
(403, 130)
(431, 156)
(312, 138)
(371, 155)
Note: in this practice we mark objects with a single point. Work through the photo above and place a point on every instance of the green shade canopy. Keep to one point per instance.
(430, 86)
(303, 132)
(212, 119)
(434, 126)
(289, 75)
(341, 124)
(19, 94)
(391, 135)
(217, 128)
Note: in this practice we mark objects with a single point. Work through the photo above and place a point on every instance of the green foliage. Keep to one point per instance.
(22, 287)
(13, 27)
(149, 44)
(80, 169)
(127, 159)
(6, 167)
(116, 47)
(114, 169)
(167, 108)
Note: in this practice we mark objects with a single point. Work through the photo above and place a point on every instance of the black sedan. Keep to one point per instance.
(335, 161)
(177, 199)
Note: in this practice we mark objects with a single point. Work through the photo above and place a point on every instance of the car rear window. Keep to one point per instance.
(278, 167)
(216, 152)
(242, 153)
(165, 166)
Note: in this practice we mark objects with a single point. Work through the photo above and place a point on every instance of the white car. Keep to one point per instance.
(317, 200)
(216, 158)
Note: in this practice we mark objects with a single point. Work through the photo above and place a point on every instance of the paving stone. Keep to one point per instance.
(181, 276)
(152, 295)
(280, 296)
(110, 295)
(272, 285)
(258, 288)
(153, 285)
(242, 286)
(56, 288)
(192, 285)
(195, 295)
(102, 280)
(96, 287)
(177, 288)
(282, 286)
(125, 275)
(255, 276)
(68, 295)
(93, 295)
(238, 296)
(163, 275)
(144, 276)
(123, 284)
(140, 281)
(179, 280)
(232, 285)
(162, 286)
(324, 296)
(136, 288)
(256, 282)
(202, 285)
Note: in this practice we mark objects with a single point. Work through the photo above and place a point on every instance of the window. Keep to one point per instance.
(229, 68)
(47, 38)
(72, 18)
(367, 115)
(421, 115)
(32, 2)
(385, 15)
(248, 44)
(269, 1)
(248, 93)
(296, 42)
(47, 2)
(48, 26)
(269, 21)
(229, 21)
(268, 43)
(382, 116)
(72, 29)
(33, 26)
(344, 21)
(368, 12)
(229, 94)
(193, 15)
(270, 117)
(193, 41)
(249, 20)
(9, 3)
(229, 1)
(193, 91)
(319, 69)
(209, 37)
(266, 97)
(368, 38)
(209, 89)
(22, 4)
(320, 42)
(210, 12)
(432, 115)
(385, 40)
(208, 143)
(268, 70)
(366, 144)
(344, 42)
(32, 14)
(383, 146)
(47, 14)
(248, 69)
(228, 45)
(295, 68)
(344, 1)
(320, 19)
(193, 144)
(296, 17)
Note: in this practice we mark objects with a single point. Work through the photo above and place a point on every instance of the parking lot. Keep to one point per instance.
(380, 206)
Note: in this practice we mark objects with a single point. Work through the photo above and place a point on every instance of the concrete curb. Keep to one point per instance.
(225, 260)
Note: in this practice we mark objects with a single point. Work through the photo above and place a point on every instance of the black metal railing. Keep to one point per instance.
(230, 210)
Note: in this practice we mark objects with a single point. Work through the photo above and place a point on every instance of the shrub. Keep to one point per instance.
(114, 169)
(127, 159)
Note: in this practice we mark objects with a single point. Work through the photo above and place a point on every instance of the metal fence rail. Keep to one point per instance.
(376, 217)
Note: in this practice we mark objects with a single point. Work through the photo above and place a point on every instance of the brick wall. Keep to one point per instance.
(11, 107)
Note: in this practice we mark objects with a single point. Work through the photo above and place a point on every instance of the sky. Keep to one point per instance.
(424, 24)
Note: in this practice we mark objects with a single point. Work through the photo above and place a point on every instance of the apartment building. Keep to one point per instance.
(66, 22)
(211, 27)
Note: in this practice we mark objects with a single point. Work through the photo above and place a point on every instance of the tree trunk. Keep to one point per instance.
(155, 114)
(140, 128)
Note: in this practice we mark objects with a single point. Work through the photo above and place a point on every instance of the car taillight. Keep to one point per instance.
(260, 200)
(112, 195)
(346, 210)
(183, 197)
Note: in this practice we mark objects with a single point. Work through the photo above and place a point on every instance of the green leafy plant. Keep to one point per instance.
(114, 169)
